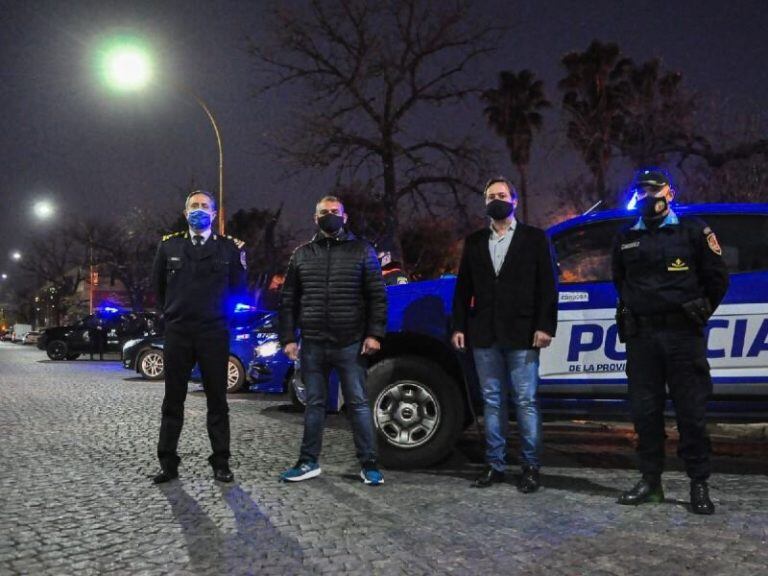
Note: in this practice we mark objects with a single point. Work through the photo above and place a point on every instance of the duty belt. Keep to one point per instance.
(671, 320)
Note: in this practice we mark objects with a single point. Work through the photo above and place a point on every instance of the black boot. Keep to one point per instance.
(489, 476)
(165, 475)
(700, 502)
(529, 481)
(647, 490)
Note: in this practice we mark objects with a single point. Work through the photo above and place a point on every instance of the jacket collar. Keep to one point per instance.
(343, 236)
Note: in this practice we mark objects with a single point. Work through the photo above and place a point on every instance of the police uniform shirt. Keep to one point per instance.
(499, 245)
(197, 286)
(205, 235)
(657, 269)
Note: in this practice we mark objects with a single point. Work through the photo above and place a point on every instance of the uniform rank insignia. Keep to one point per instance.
(629, 245)
(677, 266)
(713, 244)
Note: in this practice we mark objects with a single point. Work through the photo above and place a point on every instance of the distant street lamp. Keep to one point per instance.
(43, 209)
(16, 256)
(4, 276)
(126, 66)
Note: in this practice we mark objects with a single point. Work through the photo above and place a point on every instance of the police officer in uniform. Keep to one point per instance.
(197, 276)
(670, 276)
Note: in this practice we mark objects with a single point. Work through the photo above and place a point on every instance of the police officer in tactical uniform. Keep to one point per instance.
(197, 276)
(670, 276)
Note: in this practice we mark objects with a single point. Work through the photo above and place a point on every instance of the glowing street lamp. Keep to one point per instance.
(126, 66)
(43, 209)
(16, 256)
(4, 276)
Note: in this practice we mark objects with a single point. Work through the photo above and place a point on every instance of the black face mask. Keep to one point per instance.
(499, 209)
(652, 207)
(330, 223)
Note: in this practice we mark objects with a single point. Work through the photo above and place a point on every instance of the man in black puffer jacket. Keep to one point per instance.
(334, 295)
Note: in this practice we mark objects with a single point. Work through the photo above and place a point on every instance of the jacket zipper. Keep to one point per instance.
(327, 280)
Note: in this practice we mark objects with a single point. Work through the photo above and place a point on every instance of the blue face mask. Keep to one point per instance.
(199, 220)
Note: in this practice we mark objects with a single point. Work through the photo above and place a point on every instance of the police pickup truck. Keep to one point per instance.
(424, 394)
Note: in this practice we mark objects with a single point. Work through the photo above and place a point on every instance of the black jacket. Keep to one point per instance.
(657, 270)
(198, 287)
(506, 309)
(333, 292)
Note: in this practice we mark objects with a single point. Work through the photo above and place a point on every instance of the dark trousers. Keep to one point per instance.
(674, 358)
(317, 361)
(182, 349)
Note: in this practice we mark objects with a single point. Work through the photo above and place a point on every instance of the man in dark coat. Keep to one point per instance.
(505, 311)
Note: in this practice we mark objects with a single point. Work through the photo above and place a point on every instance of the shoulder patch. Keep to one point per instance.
(172, 235)
(239, 243)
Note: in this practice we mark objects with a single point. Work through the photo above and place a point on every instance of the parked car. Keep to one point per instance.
(31, 337)
(115, 327)
(18, 331)
(145, 355)
(423, 393)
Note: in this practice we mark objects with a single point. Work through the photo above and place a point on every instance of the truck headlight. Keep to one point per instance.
(268, 349)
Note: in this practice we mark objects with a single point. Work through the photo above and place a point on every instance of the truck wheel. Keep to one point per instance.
(56, 350)
(152, 365)
(417, 411)
(235, 376)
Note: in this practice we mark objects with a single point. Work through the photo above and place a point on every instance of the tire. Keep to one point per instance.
(418, 411)
(73, 356)
(56, 350)
(296, 389)
(151, 364)
(235, 376)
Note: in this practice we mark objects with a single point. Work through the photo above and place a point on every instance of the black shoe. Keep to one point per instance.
(645, 491)
(488, 477)
(223, 474)
(529, 481)
(165, 476)
(700, 502)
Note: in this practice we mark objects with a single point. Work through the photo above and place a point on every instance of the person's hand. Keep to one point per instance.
(292, 351)
(541, 339)
(458, 340)
(371, 346)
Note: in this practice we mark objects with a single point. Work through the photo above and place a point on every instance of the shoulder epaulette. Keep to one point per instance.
(239, 243)
(173, 235)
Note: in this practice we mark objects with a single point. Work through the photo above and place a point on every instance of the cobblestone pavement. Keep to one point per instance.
(77, 448)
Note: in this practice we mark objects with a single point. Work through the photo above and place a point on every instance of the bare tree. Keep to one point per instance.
(376, 74)
(55, 260)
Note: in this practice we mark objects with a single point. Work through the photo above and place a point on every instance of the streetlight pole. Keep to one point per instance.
(217, 132)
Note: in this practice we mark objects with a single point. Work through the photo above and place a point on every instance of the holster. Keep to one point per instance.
(626, 323)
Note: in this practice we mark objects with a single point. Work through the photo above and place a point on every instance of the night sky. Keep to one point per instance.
(64, 137)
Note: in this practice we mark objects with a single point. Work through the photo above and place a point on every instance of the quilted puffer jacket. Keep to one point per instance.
(333, 292)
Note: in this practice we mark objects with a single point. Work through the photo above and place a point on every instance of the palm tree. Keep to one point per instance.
(592, 101)
(514, 112)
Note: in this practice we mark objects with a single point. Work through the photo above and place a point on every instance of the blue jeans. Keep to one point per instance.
(505, 373)
(317, 361)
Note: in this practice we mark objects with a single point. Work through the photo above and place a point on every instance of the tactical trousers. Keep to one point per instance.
(673, 358)
(182, 349)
